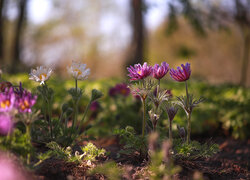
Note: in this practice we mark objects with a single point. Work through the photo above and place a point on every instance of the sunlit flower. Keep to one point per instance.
(7, 100)
(139, 72)
(119, 89)
(6, 123)
(78, 70)
(181, 74)
(40, 74)
(24, 100)
(159, 71)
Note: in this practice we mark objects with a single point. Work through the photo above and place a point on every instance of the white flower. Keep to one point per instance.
(78, 71)
(40, 74)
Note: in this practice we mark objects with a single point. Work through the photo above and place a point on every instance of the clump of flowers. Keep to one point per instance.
(141, 74)
(59, 131)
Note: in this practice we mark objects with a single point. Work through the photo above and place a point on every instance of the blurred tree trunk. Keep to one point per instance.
(243, 20)
(245, 58)
(2, 3)
(16, 63)
(135, 54)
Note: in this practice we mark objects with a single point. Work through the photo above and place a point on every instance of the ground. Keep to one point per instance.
(232, 162)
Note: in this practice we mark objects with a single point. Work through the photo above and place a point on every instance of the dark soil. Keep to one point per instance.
(232, 162)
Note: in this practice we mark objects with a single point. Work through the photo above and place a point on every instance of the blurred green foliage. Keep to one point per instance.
(224, 112)
(194, 150)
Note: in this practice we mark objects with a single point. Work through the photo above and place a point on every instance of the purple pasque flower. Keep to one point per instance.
(24, 100)
(95, 105)
(6, 124)
(119, 89)
(7, 100)
(159, 71)
(181, 74)
(139, 71)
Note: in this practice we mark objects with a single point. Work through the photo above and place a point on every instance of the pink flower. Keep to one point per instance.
(24, 100)
(94, 106)
(9, 169)
(7, 100)
(160, 71)
(181, 74)
(119, 89)
(139, 72)
(6, 124)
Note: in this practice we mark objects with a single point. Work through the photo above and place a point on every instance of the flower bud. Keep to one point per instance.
(65, 107)
(96, 94)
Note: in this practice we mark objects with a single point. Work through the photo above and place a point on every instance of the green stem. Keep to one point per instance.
(84, 115)
(75, 114)
(170, 130)
(189, 128)
(144, 117)
(29, 140)
(189, 115)
(187, 93)
(76, 84)
(49, 119)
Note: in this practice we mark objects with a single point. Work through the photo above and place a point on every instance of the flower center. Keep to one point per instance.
(139, 72)
(123, 91)
(78, 72)
(42, 75)
(5, 104)
(25, 105)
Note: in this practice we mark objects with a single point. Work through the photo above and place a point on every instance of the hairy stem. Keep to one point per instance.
(75, 108)
(28, 139)
(189, 128)
(76, 84)
(144, 117)
(49, 119)
(84, 115)
(189, 115)
(170, 130)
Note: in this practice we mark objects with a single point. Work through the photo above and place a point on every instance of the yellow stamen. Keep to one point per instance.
(26, 104)
(78, 72)
(42, 75)
(139, 72)
(23, 107)
(5, 103)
